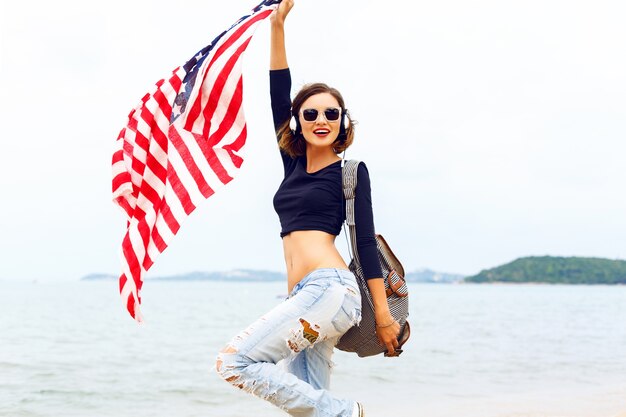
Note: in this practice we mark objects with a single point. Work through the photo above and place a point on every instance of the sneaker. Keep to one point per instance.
(357, 411)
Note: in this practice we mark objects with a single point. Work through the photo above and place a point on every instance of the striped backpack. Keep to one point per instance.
(362, 338)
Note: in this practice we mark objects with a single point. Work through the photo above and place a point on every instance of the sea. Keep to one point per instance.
(70, 349)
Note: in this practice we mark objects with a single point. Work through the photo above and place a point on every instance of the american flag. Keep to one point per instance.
(180, 145)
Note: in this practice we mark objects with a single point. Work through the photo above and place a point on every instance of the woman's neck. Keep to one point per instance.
(319, 158)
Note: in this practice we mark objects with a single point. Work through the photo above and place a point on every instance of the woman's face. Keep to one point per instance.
(320, 132)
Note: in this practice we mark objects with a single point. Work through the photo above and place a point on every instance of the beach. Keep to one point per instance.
(476, 351)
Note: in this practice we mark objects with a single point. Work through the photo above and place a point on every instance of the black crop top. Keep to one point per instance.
(314, 201)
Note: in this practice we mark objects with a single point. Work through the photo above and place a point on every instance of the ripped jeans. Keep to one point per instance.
(300, 333)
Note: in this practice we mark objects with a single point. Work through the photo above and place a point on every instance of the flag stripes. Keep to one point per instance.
(179, 146)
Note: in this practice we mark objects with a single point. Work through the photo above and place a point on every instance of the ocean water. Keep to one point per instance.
(69, 349)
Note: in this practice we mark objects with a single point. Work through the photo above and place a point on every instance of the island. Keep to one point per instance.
(426, 275)
(245, 275)
(251, 275)
(555, 270)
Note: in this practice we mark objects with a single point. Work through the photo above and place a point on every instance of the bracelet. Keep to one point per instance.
(386, 325)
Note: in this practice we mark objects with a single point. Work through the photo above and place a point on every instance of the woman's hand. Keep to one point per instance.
(281, 12)
(387, 331)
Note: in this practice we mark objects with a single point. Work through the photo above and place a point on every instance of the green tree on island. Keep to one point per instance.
(556, 270)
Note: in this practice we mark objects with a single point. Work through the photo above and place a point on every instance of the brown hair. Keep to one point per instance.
(294, 145)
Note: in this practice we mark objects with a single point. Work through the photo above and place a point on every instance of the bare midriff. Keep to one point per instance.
(308, 250)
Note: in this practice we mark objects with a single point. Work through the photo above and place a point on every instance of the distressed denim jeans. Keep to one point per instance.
(285, 356)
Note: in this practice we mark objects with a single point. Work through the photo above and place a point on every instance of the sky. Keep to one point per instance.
(492, 130)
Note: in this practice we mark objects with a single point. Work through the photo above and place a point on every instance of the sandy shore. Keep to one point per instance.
(606, 402)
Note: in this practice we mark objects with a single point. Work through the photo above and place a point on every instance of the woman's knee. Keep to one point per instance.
(231, 366)
(226, 364)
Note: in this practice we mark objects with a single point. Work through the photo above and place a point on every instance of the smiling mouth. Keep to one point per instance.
(321, 132)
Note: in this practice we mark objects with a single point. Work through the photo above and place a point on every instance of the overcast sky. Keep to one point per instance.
(492, 129)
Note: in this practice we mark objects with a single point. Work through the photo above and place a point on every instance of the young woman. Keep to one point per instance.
(324, 299)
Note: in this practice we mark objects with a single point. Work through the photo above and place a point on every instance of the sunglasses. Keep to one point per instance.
(332, 114)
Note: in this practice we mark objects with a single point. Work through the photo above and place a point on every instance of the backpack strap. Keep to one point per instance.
(349, 179)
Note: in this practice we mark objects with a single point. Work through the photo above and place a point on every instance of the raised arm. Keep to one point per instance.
(278, 53)
(280, 78)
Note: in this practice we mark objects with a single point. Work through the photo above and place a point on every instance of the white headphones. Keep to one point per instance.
(293, 124)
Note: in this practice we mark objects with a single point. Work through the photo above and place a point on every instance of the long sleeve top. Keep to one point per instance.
(314, 201)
